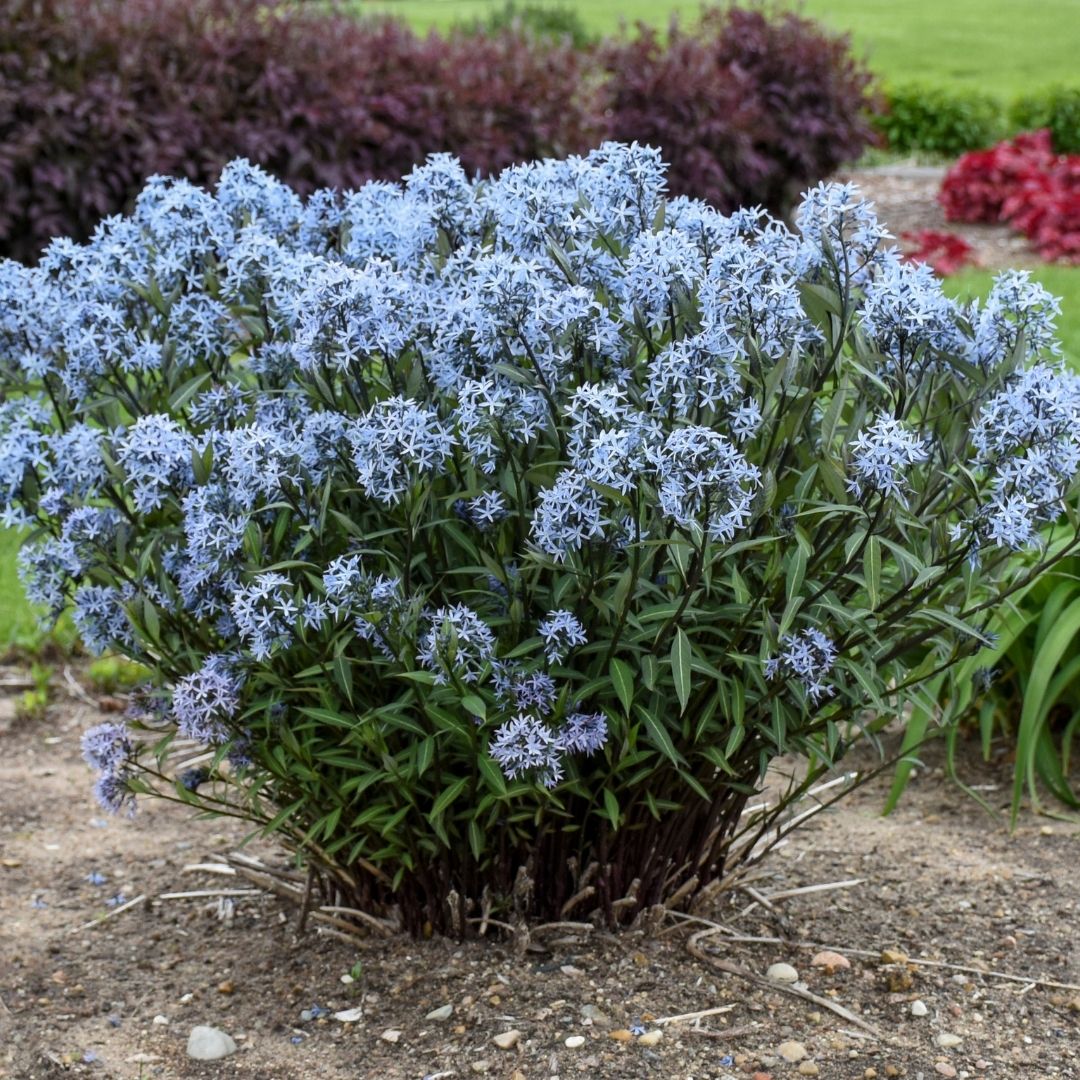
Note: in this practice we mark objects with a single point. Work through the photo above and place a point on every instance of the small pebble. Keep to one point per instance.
(830, 961)
(349, 1016)
(187, 998)
(507, 1040)
(160, 1020)
(870, 1074)
(808, 1068)
(946, 1040)
(944, 1068)
(621, 1035)
(481, 1066)
(390, 1035)
(574, 1041)
(226, 987)
(443, 1012)
(782, 973)
(209, 1044)
(791, 1051)
(651, 1038)
(918, 1008)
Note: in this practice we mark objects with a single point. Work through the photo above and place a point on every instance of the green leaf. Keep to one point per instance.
(425, 755)
(151, 620)
(443, 802)
(343, 676)
(659, 737)
(476, 839)
(872, 571)
(328, 716)
(623, 681)
(680, 667)
(493, 775)
(475, 705)
(1037, 701)
(611, 807)
(648, 671)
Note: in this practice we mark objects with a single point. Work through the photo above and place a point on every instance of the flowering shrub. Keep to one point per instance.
(495, 536)
(747, 106)
(945, 253)
(1021, 181)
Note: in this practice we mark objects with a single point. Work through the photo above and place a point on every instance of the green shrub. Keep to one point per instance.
(541, 20)
(1058, 109)
(919, 118)
(108, 674)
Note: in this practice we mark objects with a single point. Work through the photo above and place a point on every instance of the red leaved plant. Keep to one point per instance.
(1023, 182)
(945, 253)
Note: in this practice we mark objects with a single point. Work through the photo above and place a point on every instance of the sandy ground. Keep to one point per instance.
(941, 881)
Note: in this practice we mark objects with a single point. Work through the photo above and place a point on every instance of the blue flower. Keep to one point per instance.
(394, 443)
(704, 480)
(569, 514)
(809, 657)
(561, 631)
(265, 612)
(458, 642)
(526, 745)
(155, 453)
(882, 454)
(205, 703)
(109, 749)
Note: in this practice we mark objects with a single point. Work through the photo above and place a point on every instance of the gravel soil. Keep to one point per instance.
(940, 880)
(906, 198)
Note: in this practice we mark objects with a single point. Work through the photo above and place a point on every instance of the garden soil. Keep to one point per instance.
(941, 881)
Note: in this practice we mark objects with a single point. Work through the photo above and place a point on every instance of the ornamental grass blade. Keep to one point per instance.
(1036, 706)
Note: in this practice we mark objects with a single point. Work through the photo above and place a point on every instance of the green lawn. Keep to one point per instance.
(1062, 281)
(18, 624)
(998, 46)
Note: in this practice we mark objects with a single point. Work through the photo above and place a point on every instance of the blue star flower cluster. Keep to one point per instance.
(474, 441)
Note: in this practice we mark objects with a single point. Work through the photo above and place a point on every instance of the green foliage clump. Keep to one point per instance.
(923, 118)
(1058, 109)
(1025, 689)
(107, 674)
(559, 20)
(31, 704)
